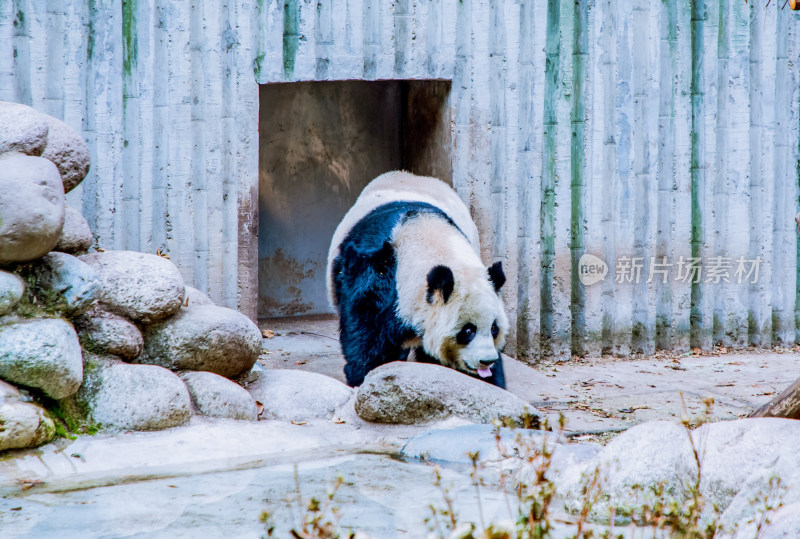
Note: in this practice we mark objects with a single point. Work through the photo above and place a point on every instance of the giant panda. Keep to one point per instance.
(406, 278)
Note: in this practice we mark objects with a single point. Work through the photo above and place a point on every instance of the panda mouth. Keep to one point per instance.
(483, 372)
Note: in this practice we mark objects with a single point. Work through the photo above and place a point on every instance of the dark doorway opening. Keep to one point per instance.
(320, 143)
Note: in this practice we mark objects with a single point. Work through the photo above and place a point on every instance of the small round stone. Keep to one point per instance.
(31, 207)
(294, 395)
(43, 354)
(216, 396)
(195, 298)
(64, 283)
(76, 236)
(142, 287)
(24, 425)
(117, 395)
(22, 129)
(66, 148)
(12, 289)
(102, 332)
(204, 338)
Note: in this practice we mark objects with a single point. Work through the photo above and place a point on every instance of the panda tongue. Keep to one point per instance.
(485, 372)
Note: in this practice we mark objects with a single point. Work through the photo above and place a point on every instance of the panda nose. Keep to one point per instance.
(487, 362)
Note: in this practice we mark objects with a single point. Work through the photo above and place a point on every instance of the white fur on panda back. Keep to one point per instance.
(401, 186)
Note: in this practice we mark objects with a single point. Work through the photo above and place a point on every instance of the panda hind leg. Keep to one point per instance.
(370, 331)
(365, 349)
(357, 354)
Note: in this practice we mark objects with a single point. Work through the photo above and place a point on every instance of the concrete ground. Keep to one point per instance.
(214, 478)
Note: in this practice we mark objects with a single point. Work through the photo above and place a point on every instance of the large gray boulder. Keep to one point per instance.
(409, 393)
(294, 395)
(142, 287)
(216, 396)
(781, 523)
(67, 149)
(117, 395)
(102, 332)
(739, 458)
(204, 338)
(649, 455)
(12, 289)
(31, 207)
(76, 236)
(740, 461)
(44, 354)
(22, 129)
(24, 425)
(64, 283)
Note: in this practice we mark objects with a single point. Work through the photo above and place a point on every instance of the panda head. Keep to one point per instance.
(466, 325)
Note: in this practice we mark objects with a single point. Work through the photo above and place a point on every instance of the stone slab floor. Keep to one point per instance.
(214, 478)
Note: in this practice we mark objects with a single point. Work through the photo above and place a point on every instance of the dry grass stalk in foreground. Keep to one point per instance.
(532, 515)
(319, 520)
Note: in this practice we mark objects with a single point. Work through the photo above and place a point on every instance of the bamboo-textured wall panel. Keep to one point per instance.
(631, 131)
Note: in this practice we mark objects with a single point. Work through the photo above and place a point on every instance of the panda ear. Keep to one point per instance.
(440, 279)
(496, 275)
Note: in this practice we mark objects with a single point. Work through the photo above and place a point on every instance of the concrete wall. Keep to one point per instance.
(165, 95)
(620, 129)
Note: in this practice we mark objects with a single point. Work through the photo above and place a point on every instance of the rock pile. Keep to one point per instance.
(106, 339)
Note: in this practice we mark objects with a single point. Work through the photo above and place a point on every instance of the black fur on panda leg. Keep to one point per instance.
(498, 377)
(367, 296)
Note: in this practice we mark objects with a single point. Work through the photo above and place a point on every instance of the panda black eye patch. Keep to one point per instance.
(466, 334)
(495, 330)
